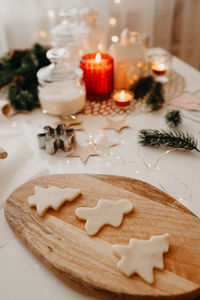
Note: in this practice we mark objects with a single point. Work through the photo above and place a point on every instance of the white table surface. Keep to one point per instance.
(22, 276)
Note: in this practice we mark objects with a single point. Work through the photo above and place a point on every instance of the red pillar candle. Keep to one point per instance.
(97, 75)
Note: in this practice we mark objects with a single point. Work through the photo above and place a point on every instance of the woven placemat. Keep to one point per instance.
(173, 88)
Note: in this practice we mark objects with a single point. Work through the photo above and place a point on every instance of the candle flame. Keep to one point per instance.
(161, 67)
(98, 58)
(122, 95)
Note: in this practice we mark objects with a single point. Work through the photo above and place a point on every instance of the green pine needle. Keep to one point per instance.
(18, 65)
(173, 118)
(22, 99)
(141, 87)
(156, 99)
(177, 139)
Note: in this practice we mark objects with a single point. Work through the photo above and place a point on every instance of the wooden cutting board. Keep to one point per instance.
(87, 263)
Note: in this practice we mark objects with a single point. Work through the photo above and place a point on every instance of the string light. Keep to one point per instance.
(113, 21)
(114, 38)
(43, 34)
(51, 13)
(117, 1)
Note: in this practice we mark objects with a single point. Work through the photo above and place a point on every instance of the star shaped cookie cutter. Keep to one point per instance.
(56, 138)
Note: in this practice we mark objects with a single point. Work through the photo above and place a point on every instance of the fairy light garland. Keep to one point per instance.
(147, 168)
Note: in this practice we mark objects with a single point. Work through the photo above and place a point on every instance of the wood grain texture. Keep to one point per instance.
(87, 263)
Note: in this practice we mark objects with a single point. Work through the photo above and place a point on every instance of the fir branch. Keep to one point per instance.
(23, 99)
(156, 99)
(177, 139)
(18, 69)
(173, 118)
(141, 87)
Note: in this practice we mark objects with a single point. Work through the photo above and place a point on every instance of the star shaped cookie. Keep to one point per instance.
(104, 145)
(84, 152)
(116, 125)
(70, 122)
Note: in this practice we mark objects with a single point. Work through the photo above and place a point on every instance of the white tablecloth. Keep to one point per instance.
(22, 276)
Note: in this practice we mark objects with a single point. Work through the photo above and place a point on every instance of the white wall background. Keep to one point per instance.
(171, 24)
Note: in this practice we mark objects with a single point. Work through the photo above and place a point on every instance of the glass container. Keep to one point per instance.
(71, 34)
(60, 91)
(160, 65)
(98, 75)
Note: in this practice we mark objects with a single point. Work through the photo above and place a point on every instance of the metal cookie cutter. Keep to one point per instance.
(56, 138)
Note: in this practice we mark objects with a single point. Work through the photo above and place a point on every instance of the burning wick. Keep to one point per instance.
(159, 69)
(123, 98)
(98, 58)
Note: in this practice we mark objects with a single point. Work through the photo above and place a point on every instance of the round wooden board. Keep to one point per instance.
(87, 263)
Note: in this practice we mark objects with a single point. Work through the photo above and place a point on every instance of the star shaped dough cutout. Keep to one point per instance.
(51, 197)
(141, 256)
(116, 125)
(106, 212)
(84, 152)
(71, 122)
(104, 145)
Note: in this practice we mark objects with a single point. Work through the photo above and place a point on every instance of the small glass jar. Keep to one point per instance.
(160, 65)
(60, 91)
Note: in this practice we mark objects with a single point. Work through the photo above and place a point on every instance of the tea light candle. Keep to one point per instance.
(123, 97)
(159, 68)
(97, 75)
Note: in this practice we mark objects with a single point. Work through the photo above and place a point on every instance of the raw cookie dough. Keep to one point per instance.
(141, 256)
(52, 197)
(106, 212)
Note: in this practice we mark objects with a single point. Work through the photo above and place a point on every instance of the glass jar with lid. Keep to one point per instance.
(60, 91)
(71, 34)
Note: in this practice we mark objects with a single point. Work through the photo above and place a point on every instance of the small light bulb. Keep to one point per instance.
(43, 34)
(117, 1)
(51, 13)
(114, 38)
(113, 21)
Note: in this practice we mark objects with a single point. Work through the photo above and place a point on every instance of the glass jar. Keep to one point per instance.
(60, 91)
(129, 56)
(97, 35)
(71, 34)
(160, 65)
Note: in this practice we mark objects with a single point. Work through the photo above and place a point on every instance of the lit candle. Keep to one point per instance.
(123, 97)
(159, 68)
(98, 75)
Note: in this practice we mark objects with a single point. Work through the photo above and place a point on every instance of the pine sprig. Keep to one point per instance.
(18, 70)
(177, 139)
(156, 99)
(141, 87)
(173, 118)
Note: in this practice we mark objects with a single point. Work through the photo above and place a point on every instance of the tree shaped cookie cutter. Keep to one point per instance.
(56, 138)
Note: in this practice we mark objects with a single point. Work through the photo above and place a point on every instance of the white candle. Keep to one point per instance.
(123, 97)
(59, 98)
(159, 68)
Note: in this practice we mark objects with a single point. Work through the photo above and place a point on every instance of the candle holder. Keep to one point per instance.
(123, 98)
(97, 75)
(160, 65)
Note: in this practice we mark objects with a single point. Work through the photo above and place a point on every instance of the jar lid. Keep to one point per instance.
(70, 30)
(59, 69)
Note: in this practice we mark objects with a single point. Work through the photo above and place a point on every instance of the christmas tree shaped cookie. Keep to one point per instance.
(53, 197)
(141, 256)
